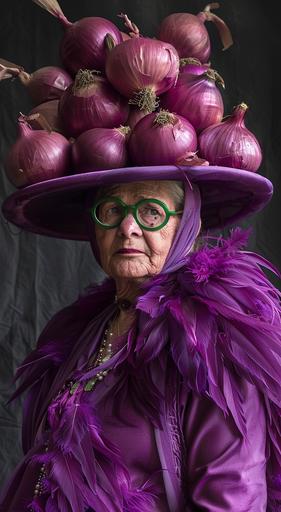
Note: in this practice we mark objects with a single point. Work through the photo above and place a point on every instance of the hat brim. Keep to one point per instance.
(56, 207)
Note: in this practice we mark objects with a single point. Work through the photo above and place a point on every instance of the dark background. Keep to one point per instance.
(40, 275)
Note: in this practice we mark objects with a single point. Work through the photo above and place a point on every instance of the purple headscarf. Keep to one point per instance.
(188, 229)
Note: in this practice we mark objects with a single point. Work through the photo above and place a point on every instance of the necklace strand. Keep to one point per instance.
(104, 354)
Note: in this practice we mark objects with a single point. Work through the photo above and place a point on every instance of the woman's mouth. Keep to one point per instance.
(129, 251)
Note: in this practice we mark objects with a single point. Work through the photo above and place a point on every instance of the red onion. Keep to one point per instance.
(91, 103)
(49, 110)
(44, 84)
(101, 148)
(140, 68)
(83, 45)
(231, 144)
(193, 66)
(188, 34)
(161, 139)
(197, 98)
(37, 156)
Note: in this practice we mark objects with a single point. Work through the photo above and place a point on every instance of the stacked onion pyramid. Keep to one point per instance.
(122, 99)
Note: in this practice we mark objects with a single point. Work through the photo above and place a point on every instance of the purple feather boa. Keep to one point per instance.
(218, 316)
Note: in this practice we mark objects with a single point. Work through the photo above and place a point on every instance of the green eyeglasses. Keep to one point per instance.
(150, 214)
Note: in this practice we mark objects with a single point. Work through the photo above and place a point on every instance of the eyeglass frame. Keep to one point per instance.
(127, 208)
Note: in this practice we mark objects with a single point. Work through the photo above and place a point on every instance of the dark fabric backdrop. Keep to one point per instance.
(40, 275)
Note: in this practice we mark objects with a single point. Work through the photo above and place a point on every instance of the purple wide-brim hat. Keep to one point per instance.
(57, 207)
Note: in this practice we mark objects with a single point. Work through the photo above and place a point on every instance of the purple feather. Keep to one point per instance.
(66, 475)
(41, 458)
(35, 506)
(143, 499)
(51, 505)
(57, 503)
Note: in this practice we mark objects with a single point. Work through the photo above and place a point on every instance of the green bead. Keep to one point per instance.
(90, 384)
(73, 388)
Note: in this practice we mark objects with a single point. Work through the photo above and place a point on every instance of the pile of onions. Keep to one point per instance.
(44, 84)
(161, 139)
(112, 115)
(37, 156)
(142, 68)
(83, 44)
(197, 98)
(188, 34)
(231, 144)
(101, 148)
(91, 102)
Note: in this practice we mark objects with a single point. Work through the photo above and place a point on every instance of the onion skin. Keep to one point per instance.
(231, 144)
(49, 110)
(96, 105)
(196, 98)
(100, 148)
(9, 69)
(132, 27)
(142, 63)
(37, 156)
(125, 36)
(193, 66)
(153, 144)
(135, 116)
(45, 84)
(188, 34)
(83, 44)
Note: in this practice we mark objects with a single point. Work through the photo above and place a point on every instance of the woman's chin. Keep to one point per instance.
(128, 269)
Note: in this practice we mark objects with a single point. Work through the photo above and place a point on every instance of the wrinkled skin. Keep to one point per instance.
(129, 270)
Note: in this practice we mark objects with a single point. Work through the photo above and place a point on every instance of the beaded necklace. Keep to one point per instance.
(103, 355)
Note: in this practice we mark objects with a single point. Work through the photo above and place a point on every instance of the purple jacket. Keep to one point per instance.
(189, 417)
(221, 472)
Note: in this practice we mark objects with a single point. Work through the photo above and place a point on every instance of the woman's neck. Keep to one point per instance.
(128, 289)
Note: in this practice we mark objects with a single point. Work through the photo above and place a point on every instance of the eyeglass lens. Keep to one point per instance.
(149, 214)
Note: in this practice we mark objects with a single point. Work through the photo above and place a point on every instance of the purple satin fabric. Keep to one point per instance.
(188, 229)
(224, 473)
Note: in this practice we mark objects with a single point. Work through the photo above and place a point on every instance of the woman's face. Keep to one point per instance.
(147, 249)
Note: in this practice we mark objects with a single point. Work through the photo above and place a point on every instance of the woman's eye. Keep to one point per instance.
(109, 211)
(114, 210)
(153, 211)
(149, 210)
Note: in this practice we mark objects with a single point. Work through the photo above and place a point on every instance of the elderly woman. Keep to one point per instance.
(159, 390)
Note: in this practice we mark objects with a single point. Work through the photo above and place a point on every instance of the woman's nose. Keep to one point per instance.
(129, 227)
